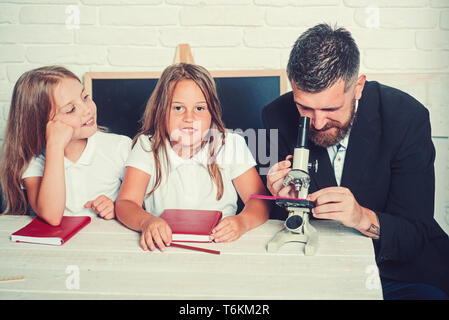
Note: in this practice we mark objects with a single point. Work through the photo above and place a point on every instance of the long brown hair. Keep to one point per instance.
(157, 110)
(25, 131)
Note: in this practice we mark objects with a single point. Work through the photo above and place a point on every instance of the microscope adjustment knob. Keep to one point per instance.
(294, 222)
(313, 166)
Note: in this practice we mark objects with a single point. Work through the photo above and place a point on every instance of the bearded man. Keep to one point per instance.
(376, 161)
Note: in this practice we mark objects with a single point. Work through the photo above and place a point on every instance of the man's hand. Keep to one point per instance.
(338, 203)
(276, 176)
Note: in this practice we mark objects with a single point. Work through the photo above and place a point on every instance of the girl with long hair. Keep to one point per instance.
(184, 158)
(54, 158)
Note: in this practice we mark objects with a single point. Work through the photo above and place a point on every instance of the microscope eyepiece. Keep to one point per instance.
(303, 131)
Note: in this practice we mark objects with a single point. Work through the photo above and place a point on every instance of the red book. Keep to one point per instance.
(191, 225)
(38, 231)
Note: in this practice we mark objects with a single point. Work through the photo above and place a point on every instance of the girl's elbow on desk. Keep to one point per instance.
(50, 217)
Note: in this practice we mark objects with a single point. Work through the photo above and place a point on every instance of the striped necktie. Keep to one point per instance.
(337, 164)
(338, 146)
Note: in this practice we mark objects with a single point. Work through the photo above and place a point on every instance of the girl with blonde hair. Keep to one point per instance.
(54, 158)
(184, 158)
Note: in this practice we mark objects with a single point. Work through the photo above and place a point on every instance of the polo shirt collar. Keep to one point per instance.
(87, 156)
(201, 157)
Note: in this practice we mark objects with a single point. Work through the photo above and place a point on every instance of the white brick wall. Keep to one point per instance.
(395, 37)
(44, 14)
(135, 16)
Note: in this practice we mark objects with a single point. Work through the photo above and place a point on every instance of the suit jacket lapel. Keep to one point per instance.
(363, 134)
(357, 156)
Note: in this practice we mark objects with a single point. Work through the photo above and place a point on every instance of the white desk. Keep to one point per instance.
(105, 259)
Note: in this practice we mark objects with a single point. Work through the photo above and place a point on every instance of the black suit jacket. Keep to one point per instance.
(389, 167)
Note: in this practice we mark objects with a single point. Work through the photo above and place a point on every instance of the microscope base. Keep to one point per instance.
(309, 238)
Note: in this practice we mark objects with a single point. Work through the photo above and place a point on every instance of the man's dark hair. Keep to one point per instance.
(321, 56)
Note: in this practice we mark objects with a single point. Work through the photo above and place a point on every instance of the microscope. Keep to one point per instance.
(297, 227)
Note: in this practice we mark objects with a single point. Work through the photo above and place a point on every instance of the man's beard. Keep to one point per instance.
(330, 139)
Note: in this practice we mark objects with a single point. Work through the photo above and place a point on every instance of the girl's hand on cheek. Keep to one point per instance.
(58, 133)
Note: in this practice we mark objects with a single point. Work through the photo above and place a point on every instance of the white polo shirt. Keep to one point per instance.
(99, 170)
(187, 184)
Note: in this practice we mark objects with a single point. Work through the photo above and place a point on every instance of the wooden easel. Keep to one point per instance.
(183, 54)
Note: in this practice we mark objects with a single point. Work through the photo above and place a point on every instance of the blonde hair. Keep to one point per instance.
(25, 137)
(157, 110)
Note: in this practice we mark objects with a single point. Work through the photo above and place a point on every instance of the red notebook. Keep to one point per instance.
(38, 231)
(191, 225)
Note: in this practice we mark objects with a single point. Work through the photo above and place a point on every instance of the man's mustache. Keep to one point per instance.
(329, 125)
